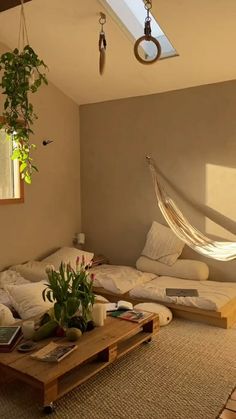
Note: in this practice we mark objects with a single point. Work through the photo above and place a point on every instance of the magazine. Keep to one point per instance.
(131, 315)
(8, 334)
(53, 352)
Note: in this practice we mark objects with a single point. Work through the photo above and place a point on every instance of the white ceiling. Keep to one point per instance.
(65, 34)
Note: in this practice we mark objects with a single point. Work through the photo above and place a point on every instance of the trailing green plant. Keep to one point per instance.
(23, 73)
(70, 290)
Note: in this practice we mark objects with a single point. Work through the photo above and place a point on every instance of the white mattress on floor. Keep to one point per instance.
(212, 295)
(119, 279)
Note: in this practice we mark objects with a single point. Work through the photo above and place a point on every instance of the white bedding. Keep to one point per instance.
(7, 278)
(212, 295)
(119, 279)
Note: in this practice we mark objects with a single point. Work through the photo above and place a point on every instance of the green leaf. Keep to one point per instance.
(27, 179)
(58, 311)
(22, 167)
(49, 295)
(72, 305)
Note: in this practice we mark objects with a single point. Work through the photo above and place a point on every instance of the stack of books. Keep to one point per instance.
(10, 336)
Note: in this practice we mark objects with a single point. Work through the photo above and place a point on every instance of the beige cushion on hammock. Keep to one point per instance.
(162, 244)
(182, 268)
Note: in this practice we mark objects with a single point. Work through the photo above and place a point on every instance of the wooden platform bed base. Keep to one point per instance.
(225, 318)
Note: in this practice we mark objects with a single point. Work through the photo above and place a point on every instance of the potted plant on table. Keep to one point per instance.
(71, 292)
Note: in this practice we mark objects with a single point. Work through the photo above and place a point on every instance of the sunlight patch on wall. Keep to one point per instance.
(221, 197)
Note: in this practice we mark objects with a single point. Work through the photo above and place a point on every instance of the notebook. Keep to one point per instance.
(181, 292)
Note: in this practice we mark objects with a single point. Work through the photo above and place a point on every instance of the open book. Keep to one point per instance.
(120, 305)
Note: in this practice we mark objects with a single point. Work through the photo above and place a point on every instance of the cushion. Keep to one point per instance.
(182, 268)
(100, 298)
(5, 299)
(33, 270)
(7, 278)
(162, 244)
(165, 315)
(119, 279)
(6, 316)
(10, 277)
(27, 299)
(68, 255)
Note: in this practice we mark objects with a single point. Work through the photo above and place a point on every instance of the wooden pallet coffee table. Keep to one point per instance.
(96, 350)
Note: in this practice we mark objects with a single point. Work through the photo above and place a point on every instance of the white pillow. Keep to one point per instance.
(27, 299)
(33, 271)
(119, 279)
(10, 277)
(6, 316)
(165, 315)
(162, 244)
(182, 268)
(68, 254)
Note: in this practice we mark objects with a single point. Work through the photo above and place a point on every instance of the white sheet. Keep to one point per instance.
(212, 295)
(119, 279)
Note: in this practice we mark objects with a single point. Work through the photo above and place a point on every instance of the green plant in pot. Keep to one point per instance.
(71, 291)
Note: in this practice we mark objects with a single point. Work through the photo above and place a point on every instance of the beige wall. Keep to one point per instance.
(51, 213)
(192, 135)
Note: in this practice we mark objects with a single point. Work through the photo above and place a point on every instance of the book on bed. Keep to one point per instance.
(181, 292)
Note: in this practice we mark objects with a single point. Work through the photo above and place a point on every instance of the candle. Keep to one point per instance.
(104, 311)
(98, 314)
(28, 329)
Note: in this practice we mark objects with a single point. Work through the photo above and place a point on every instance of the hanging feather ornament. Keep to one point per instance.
(102, 44)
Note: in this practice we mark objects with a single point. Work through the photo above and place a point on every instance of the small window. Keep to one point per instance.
(11, 186)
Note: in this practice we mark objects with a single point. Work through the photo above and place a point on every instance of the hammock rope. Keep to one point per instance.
(219, 250)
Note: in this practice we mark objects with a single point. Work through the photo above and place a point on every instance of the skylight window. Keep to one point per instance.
(130, 15)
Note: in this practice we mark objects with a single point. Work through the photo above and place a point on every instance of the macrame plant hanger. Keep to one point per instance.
(23, 38)
(102, 44)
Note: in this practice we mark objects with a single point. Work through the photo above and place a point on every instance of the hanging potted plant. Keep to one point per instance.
(23, 73)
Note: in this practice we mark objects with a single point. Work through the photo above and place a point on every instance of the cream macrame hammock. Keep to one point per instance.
(184, 230)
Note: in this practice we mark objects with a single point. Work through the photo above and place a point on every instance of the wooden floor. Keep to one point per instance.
(229, 411)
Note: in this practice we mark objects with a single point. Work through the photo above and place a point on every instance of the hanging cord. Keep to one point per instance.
(147, 37)
(23, 38)
(102, 44)
(147, 25)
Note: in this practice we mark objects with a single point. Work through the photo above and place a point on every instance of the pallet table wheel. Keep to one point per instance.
(49, 409)
(148, 340)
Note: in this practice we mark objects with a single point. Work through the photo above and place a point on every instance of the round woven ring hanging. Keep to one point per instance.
(149, 39)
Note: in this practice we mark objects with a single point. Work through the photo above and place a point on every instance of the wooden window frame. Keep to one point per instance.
(21, 199)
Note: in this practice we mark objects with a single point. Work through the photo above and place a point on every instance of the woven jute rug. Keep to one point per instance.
(187, 372)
